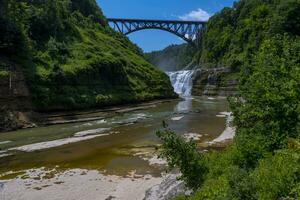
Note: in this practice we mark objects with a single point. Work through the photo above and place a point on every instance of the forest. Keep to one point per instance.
(261, 40)
(72, 59)
(172, 58)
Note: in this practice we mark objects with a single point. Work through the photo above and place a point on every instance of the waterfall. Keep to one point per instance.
(182, 81)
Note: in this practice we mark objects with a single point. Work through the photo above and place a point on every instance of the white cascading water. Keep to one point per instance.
(182, 81)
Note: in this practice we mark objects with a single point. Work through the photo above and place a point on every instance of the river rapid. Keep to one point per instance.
(113, 157)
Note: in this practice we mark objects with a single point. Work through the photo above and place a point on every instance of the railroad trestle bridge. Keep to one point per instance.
(190, 31)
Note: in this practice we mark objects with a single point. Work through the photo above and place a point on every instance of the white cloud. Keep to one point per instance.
(199, 15)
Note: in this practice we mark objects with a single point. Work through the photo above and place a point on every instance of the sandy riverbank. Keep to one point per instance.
(91, 184)
(229, 132)
(76, 184)
(55, 143)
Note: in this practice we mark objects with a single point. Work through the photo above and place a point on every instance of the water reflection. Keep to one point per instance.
(184, 106)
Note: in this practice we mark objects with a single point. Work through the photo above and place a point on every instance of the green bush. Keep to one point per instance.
(4, 73)
(268, 115)
(215, 188)
(277, 176)
(263, 161)
(102, 99)
(191, 164)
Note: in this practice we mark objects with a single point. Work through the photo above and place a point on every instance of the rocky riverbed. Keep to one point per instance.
(71, 161)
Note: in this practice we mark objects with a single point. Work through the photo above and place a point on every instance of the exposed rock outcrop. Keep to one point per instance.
(12, 120)
(168, 189)
(15, 104)
(14, 94)
(215, 82)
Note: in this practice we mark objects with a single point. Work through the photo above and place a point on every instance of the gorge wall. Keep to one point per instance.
(68, 58)
(215, 82)
(15, 100)
(14, 93)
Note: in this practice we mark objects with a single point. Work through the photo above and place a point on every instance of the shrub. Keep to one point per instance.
(4, 73)
(183, 155)
(278, 176)
(268, 113)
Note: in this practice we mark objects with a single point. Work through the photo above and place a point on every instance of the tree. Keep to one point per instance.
(183, 155)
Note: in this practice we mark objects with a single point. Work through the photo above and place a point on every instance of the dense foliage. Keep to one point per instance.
(172, 58)
(264, 160)
(186, 158)
(72, 59)
(234, 35)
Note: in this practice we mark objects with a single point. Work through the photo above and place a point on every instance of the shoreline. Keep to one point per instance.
(84, 183)
(227, 134)
(38, 183)
(101, 113)
(35, 119)
(76, 184)
(229, 131)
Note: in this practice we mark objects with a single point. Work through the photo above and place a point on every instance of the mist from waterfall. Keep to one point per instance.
(182, 81)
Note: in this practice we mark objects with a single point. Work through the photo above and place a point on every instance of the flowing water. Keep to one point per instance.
(182, 81)
(128, 135)
(110, 158)
(124, 140)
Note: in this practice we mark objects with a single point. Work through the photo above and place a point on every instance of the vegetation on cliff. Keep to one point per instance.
(264, 160)
(72, 59)
(234, 35)
(172, 58)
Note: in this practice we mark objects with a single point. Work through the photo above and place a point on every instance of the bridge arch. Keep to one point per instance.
(189, 31)
(187, 39)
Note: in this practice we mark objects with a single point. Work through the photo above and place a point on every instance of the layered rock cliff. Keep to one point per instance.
(215, 82)
(15, 99)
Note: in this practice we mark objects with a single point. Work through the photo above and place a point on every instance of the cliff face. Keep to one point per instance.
(71, 59)
(62, 55)
(15, 100)
(215, 82)
(14, 93)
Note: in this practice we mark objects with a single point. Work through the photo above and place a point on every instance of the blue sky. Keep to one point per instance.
(150, 40)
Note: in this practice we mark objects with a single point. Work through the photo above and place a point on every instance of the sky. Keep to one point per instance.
(151, 40)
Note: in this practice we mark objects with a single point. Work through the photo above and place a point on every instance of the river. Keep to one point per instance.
(120, 145)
